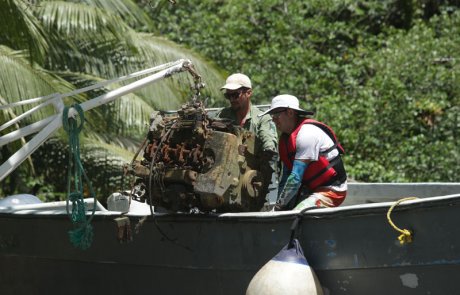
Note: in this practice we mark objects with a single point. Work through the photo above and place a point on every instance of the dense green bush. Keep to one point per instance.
(384, 74)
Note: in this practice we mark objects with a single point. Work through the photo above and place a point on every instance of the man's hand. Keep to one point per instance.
(268, 155)
(279, 207)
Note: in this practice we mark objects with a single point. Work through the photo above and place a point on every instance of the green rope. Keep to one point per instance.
(82, 234)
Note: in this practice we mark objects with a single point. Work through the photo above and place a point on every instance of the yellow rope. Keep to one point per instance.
(406, 235)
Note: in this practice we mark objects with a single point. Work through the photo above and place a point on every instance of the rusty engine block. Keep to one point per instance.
(193, 162)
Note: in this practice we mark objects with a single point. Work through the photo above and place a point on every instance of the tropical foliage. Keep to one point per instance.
(384, 74)
(55, 47)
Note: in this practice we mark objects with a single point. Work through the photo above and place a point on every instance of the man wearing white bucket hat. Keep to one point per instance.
(238, 91)
(313, 171)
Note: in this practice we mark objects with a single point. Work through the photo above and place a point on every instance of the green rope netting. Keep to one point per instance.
(82, 234)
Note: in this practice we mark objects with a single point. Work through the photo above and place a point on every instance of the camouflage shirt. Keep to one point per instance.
(262, 127)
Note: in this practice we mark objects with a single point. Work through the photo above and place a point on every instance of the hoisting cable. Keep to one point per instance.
(198, 84)
(82, 234)
(296, 224)
(406, 235)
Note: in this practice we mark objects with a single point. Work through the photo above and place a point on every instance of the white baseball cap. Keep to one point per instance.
(285, 101)
(236, 81)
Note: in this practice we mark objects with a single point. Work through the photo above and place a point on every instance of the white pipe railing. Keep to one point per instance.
(49, 125)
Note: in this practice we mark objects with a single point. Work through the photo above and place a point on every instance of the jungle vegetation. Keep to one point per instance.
(57, 46)
(384, 74)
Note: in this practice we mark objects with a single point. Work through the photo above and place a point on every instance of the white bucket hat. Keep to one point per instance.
(236, 81)
(286, 101)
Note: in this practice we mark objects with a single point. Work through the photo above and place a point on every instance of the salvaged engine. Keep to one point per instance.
(192, 162)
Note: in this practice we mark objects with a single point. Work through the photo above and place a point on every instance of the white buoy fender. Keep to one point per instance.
(286, 273)
(118, 202)
(21, 199)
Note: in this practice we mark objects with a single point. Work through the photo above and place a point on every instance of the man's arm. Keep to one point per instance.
(288, 190)
(267, 134)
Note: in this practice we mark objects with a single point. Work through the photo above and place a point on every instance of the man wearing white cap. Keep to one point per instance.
(238, 91)
(313, 171)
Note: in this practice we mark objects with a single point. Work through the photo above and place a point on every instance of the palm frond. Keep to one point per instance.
(80, 21)
(93, 145)
(20, 80)
(122, 54)
(126, 115)
(86, 39)
(21, 30)
(164, 95)
(156, 50)
(102, 60)
(126, 9)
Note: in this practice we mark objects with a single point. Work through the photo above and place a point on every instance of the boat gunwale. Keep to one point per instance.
(317, 213)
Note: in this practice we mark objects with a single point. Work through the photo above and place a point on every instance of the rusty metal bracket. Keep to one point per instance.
(124, 232)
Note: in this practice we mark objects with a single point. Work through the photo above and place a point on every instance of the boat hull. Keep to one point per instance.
(353, 250)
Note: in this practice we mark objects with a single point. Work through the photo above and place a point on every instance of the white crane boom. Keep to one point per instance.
(49, 125)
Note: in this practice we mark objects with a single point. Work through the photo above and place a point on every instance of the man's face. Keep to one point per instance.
(238, 98)
(284, 120)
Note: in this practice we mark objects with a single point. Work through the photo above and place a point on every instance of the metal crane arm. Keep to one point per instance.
(48, 126)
